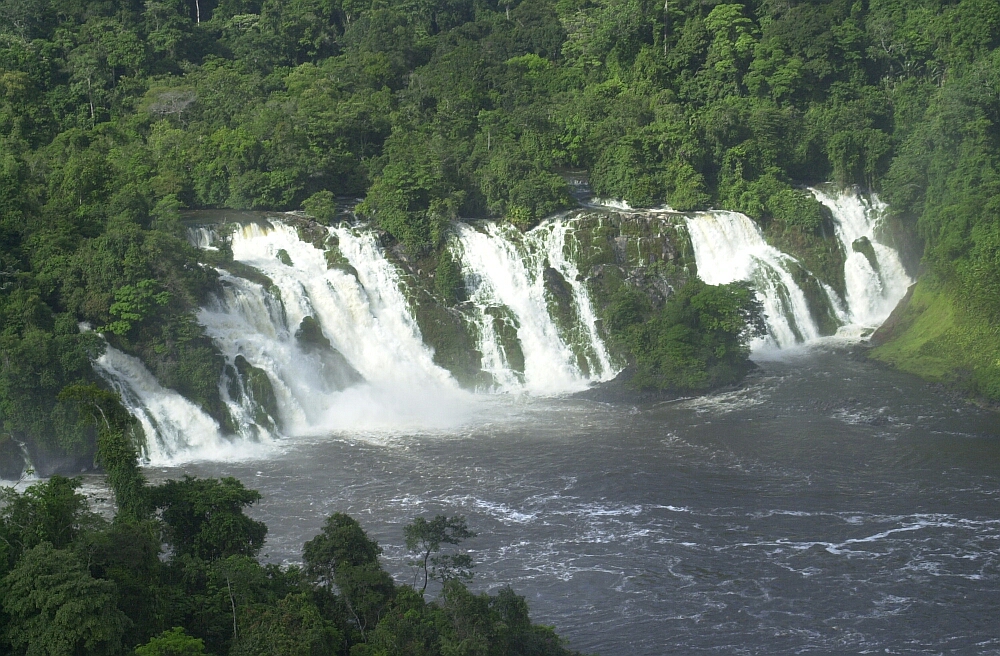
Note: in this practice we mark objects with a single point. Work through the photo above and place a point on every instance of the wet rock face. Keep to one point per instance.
(47, 460)
(647, 251)
(11, 460)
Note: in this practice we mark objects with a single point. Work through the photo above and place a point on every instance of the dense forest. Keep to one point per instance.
(116, 116)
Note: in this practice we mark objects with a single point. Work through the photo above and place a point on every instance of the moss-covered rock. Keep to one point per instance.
(449, 283)
(506, 325)
(310, 335)
(308, 230)
(864, 246)
(447, 332)
(445, 329)
(559, 298)
(820, 306)
(817, 249)
(12, 461)
(337, 372)
(260, 393)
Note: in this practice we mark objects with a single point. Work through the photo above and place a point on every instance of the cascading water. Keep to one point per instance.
(319, 334)
(175, 428)
(371, 369)
(874, 276)
(551, 240)
(505, 277)
(201, 237)
(728, 247)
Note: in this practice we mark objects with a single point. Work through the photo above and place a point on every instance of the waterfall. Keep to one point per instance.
(728, 246)
(202, 237)
(505, 275)
(360, 308)
(367, 366)
(874, 277)
(552, 240)
(175, 429)
(317, 327)
(246, 321)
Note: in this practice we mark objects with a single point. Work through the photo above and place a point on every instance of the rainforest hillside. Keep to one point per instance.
(115, 116)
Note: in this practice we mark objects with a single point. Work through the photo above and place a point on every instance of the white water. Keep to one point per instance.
(201, 237)
(728, 247)
(504, 270)
(381, 376)
(365, 318)
(176, 429)
(246, 320)
(550, 239)
(871, 293)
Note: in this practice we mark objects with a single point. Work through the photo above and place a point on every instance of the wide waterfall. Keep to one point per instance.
(319, 325)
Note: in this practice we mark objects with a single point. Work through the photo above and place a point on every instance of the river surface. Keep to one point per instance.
(830, 506)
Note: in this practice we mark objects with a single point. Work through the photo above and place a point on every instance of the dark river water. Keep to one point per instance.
(830, 506)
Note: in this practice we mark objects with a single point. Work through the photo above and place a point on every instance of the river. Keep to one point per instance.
(829, 506)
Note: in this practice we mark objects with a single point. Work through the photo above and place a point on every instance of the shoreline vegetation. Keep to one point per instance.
(116, 117)
(175, 573)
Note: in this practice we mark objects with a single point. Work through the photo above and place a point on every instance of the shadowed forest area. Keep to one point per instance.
(175, 573)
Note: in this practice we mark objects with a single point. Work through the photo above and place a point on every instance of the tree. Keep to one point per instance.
(173, 642)
(426, 537)
(292, 627)
(205, 519)
(51, 512)
(116, 448)
(342, 555)
(699, 339)
(56, 608)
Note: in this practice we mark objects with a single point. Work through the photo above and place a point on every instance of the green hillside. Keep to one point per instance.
(114, 116)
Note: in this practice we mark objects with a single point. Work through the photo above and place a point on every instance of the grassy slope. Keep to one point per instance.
(938, 340)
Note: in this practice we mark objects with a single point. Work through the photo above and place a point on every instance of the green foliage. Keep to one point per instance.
(698, 340)
(426, 537)
(342, 555)
(204, 517)
(321, 206)
(52, 512)
(56, 608)
(134, 304)
(449, 283)
(71, 583)
(293, 626)
(173, 642)
(116, 446)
